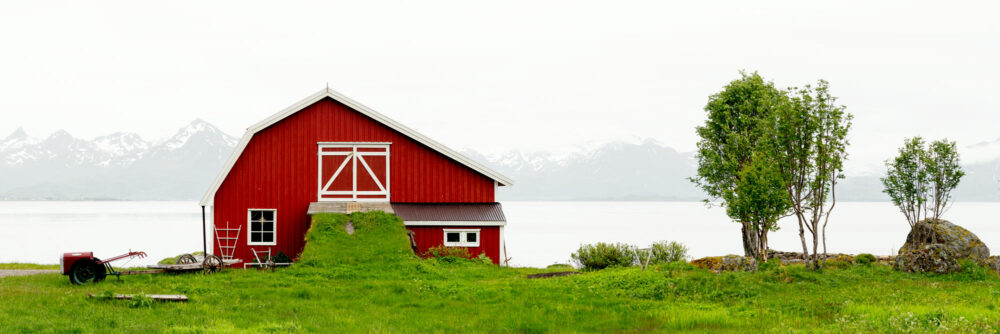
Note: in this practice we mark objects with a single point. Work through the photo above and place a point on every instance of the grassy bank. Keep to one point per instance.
(22, 266)
(371, 282)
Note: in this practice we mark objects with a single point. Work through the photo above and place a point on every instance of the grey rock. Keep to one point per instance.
(936, 258)
(726, 263)
(959, 242)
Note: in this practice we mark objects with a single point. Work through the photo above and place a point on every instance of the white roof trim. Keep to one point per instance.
(324, 93)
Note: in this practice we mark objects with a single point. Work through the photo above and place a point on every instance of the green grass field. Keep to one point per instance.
(371, 282)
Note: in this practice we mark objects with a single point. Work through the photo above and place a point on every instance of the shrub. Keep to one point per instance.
(667, 251)
(448, 253)
(482, 258)
(865, 259)
(840, 261)
(456, 254)
(280, 257)
(604, 255)
(559, 266)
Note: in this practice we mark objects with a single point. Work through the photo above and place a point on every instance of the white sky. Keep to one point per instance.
(494, 77)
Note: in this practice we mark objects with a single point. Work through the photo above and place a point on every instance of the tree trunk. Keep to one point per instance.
(802, 236)
(823, 264)
(763, 245)
(751, 242)
(815, 254)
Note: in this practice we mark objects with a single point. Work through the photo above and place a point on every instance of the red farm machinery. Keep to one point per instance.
(83, 267)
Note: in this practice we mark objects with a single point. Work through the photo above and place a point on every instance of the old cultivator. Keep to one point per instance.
(83, 267)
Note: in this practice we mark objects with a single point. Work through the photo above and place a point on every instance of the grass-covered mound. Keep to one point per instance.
(379, 239)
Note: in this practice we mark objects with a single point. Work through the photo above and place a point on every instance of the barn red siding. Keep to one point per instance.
(278, 170)
(430, 236)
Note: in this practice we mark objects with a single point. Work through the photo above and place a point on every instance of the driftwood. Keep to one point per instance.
(169, 298)
(178, 267)
(555, 274)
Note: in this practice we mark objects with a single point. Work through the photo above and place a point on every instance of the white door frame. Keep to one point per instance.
(352, 157)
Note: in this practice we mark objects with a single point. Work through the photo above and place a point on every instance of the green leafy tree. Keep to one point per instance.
(809, 146)
(944, 172)
(759, 198)
(921, 178)
(906, 180)
(738, 119)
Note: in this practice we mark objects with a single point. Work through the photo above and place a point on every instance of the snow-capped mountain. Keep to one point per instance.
(117, 166)
(615, 171)
(119, 148)
(125, 166)
(198, 130)
(18, 148)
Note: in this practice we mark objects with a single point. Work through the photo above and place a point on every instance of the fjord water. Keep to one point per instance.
(537, 233)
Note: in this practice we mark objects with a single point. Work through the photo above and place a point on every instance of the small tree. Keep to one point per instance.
(943, 173)
(736, 125)
(809, 141)
(920, 179)
(906, 180)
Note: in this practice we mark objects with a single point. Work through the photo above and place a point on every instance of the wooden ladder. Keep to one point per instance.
(227, 242)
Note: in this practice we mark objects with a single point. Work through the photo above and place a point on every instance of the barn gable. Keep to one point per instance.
(209, 196)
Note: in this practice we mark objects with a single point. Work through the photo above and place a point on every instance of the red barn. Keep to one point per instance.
(328, 153)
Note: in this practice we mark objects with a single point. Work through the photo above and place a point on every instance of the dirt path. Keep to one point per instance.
(26, 272)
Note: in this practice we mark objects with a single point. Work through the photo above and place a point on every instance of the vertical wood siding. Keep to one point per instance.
(278, 170)
(430, 236)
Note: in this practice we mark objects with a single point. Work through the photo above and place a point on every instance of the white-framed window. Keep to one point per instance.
(261, 227)
(461, 237)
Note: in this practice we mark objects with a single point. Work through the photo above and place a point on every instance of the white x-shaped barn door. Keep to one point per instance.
(353, 172)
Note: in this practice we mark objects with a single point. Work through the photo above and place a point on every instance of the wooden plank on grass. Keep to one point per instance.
(141, 272)
(170, 298)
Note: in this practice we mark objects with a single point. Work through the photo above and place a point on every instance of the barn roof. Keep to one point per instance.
(449, 211)
(328, 93)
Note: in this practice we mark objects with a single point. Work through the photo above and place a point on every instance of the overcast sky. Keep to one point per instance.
(497, 76)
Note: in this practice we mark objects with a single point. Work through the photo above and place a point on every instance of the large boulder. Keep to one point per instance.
(935, 258)
(958, 241)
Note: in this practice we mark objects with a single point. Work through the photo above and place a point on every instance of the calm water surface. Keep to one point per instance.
(538, 233)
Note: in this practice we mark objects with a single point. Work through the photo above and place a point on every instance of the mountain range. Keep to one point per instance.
(124, 166)
(650, 171)
(119, 166)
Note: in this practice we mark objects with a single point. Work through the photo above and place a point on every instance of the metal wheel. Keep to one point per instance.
(186, 259)
(213, 264)
(100, 271)
(83, 272)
